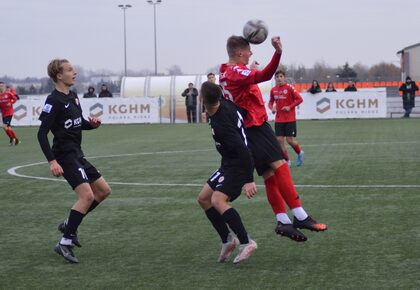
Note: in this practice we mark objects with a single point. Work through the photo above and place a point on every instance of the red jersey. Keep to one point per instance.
(6, 104)
(284, 95)
(239, 85)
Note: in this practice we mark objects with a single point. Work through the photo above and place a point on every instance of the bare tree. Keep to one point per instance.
(174, 70)
(384, 72)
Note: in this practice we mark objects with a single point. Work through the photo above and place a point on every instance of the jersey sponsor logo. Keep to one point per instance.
(76, 122)
(68, 123)
(244, 72)
(47, 108)
(280, 96)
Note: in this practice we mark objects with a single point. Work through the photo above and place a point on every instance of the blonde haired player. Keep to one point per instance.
(62, 115)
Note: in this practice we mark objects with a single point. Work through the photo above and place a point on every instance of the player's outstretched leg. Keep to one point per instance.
(310, 224)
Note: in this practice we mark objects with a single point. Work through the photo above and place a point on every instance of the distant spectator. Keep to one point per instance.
(90, 93)
(190, 95)
(351, 87)
(330, 88)
(408, 90)
(315, 88)
(105, 93)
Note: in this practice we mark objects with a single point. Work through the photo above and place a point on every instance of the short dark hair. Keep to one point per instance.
(210, 74)
(210, 93)
(234, 43)
(280, 71)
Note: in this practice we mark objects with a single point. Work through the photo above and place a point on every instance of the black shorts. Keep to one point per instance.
(7, 120)
(264, 146)
(227, 182)
(286, 129)
(78, 171)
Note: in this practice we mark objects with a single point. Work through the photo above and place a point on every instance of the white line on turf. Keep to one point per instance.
(12, 171)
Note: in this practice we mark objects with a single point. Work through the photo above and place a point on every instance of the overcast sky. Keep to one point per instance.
(193, 33)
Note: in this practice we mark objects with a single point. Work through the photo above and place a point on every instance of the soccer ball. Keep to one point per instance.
(255, 31)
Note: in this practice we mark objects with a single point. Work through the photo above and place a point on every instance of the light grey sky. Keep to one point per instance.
(193, 33)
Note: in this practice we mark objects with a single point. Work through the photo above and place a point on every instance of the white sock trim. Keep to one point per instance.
(283, 218)
(299, 213)
(65, 241)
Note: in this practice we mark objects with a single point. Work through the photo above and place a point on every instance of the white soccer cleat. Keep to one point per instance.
(227, 248)
(245, 251)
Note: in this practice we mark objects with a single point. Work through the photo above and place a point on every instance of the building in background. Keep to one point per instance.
(410, 62)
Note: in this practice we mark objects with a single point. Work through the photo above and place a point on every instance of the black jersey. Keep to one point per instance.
(62, 115)
(231, 142)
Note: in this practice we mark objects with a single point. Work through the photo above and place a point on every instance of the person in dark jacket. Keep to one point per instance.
(190, 94)
(408, 90)
(330, 88)
(90, 93)
(315, 88)
(105, 93)
(351, 87)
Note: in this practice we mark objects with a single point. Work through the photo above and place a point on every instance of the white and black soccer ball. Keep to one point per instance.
(255, 31)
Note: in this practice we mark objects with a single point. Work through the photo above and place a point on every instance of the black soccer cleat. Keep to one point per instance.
(17, 141)
(288, 230)
(62, 227)
(309, 224)
(66, 252)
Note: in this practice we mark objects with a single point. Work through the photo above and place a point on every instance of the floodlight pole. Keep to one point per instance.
(154, 3)
(125, 7)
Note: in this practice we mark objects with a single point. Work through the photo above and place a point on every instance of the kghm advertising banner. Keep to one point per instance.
(109, 110)
(370, 103)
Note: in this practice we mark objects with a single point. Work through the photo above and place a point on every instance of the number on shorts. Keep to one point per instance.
(82, 171)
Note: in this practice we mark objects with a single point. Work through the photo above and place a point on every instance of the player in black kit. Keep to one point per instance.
(235, 173)
(62, 115)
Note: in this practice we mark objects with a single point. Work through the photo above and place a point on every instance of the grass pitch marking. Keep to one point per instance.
(13, 171)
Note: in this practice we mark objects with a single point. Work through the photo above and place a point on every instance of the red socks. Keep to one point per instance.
(12, 133)
(274, 196)
(285, 184)
(9, 132)
(297, 148)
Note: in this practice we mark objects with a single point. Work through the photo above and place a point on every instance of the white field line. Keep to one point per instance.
(13, 170)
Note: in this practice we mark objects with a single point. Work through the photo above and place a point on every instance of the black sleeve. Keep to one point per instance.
(184, 94)
(86, 125)
(47, 118)
(232, 141)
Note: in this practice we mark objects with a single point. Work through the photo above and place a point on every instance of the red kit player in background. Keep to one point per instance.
(285, 98)
(240, 86)
(6, 107)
